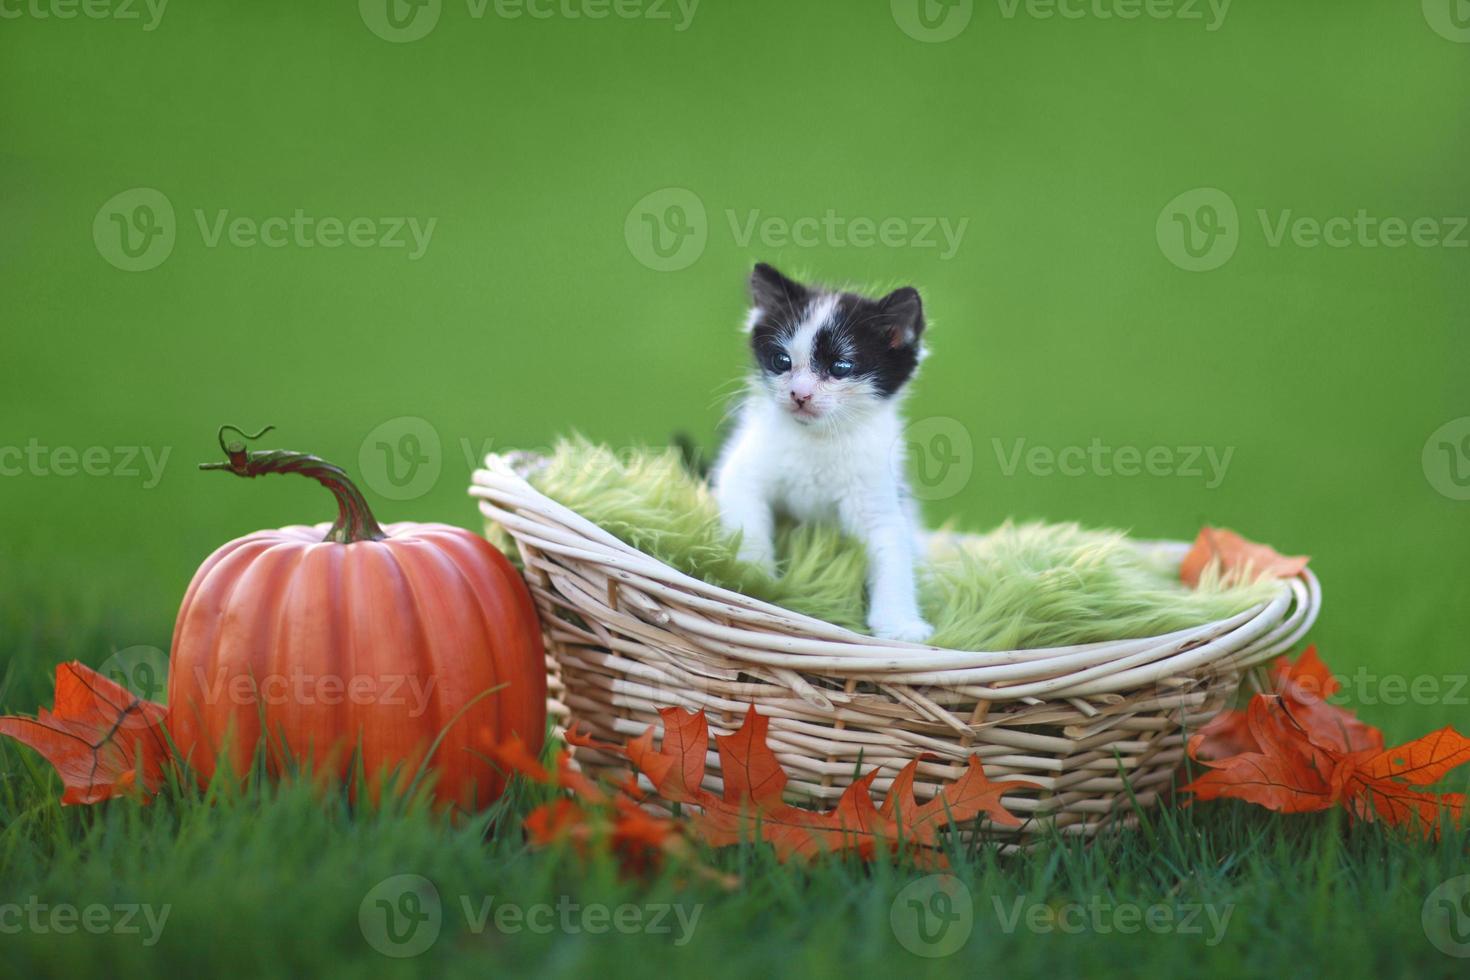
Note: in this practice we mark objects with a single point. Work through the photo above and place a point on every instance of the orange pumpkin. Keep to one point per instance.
(354, 644)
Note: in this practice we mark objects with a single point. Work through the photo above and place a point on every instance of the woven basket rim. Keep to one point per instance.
(772, 637)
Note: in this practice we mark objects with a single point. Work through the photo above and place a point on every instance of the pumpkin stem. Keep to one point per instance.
(355, 521)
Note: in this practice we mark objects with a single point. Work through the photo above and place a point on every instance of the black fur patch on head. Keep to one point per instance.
(780, 304)
(774, 294)
(878, 338)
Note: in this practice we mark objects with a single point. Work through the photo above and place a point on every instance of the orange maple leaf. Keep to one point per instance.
(1377, 783)
(1235, 558)
(1305, 755)
(103, 740)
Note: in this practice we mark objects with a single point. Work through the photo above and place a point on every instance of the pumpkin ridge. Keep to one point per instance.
(333, 611)
(406, 559)
(447, 549)
(265, 573)
(464, 549)
(276, 652)
(212, 628)
(407, 599)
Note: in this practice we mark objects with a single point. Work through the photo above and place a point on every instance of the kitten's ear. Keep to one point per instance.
(903, 316)
(773, 292)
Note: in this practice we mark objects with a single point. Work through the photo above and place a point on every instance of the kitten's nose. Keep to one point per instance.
(800, 400)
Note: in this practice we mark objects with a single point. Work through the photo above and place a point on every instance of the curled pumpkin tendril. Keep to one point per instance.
(238, 447)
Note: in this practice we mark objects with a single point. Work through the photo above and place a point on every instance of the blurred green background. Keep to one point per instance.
(545, 149)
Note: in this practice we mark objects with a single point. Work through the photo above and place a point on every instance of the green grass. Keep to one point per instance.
(269, 879)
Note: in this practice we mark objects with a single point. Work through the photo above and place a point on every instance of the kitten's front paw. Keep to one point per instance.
(906, 629)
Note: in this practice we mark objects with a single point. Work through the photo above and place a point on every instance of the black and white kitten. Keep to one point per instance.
(819, 437)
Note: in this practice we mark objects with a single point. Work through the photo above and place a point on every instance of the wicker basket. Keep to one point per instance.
(1099, 727)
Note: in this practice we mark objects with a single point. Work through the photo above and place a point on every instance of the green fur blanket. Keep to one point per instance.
(1019, 586)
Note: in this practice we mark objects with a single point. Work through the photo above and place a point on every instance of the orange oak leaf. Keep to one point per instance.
(686, 738)
(1334, 727)
(1303, 759)
(560, 819)
(1422, 762)
(751, 772)
(1235, 558)
(972, 793)
(1307, 678)
(513, 756)
(677, 769)
(1306, 685)
(1377, 784)
(854, 824)
(103, 740)
(1285, 772)
(591, 813)
(1225, 735)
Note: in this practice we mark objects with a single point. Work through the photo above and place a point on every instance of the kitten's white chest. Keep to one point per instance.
(812, 477)
(812, 474)
(850, 477)
(810, 490)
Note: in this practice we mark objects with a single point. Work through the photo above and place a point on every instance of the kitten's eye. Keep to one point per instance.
(841, 368)
(780, 362)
